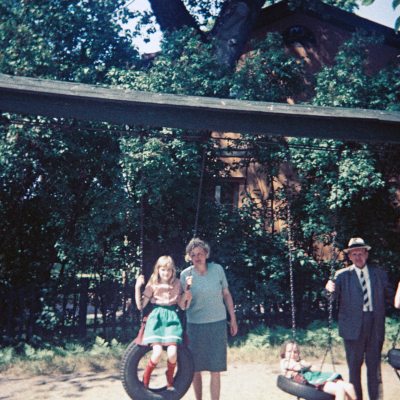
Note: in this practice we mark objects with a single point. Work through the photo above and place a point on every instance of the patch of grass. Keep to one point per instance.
(100, 357)
(261, 345)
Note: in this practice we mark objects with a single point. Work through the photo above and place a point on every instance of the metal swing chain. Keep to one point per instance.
(203, 163)
(393, 348)
(332, 268)
(395, 339)
(141, 245)
(289, 218)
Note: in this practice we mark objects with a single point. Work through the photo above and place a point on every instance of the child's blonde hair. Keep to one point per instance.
(163, 261)
(283, 348)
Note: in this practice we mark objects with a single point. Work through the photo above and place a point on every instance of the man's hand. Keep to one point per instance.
(330, 286)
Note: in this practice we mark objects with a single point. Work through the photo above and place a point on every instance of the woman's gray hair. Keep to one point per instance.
(196, 243)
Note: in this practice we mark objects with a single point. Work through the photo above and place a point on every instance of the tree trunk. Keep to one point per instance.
(172, 15)
(232, 28)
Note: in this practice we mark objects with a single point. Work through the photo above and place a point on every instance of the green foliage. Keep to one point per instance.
(315, 335)
(47, 359)
(59, 183)
(205, 11)
(185, 66)
(349, 83)
(7, 355)
(269, 73)
(71, 191)
(36, 354)
(385, 89)
(346, 84)
(64, 40)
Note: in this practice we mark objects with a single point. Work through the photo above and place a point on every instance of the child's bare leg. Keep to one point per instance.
(349, 389)
(172, 352)
(215, 385)
(335, 389)
(197, 385)
(157, 354)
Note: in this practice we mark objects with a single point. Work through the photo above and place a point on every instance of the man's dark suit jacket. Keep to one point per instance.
(348, 291)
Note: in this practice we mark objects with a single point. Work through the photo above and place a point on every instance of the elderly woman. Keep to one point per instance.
(206, 316)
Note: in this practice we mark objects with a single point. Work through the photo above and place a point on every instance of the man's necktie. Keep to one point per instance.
(365, 291)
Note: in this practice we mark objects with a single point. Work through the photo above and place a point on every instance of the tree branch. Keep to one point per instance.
(234, 26)
(172, 15)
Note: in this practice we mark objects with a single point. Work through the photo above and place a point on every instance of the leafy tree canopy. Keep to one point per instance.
(64, 40)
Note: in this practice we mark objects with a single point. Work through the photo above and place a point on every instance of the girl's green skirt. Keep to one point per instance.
(163, 327)
(318, 379)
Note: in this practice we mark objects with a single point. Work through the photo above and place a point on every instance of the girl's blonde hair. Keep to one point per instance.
(283, 348)
(163, 261)
(196, 243)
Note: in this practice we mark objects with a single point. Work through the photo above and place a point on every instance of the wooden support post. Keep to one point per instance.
(83, 302)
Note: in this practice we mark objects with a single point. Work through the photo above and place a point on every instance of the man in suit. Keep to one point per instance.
(362, 292)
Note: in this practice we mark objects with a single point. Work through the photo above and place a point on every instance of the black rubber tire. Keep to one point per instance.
(302, 391)
(394, 358)
(134, 387)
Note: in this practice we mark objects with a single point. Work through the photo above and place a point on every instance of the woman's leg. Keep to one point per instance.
(335, 389)
(197, 385)
(215, 385)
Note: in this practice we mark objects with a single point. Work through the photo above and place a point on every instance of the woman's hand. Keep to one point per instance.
(231, 310)
(233, 326)
(188, 282)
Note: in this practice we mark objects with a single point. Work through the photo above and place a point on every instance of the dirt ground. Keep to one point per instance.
(240, 382)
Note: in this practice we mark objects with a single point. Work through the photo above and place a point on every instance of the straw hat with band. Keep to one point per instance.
(357, 243)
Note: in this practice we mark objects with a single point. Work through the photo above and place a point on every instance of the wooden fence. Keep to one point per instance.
(69, 312)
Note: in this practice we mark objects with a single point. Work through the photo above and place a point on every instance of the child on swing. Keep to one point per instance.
(163, 327)
(295, 368)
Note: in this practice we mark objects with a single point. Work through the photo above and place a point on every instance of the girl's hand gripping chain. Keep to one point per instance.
(138, 295)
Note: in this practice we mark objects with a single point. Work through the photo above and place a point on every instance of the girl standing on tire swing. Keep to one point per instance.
(301, 371)
(163, 327)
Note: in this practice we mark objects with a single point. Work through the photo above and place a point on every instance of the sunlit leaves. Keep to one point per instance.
(269, 73)
(62, 39)
(185, 66)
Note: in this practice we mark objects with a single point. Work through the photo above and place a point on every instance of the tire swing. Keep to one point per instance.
(135, 352)
(394, 355)
(301, 390)
(134, 387)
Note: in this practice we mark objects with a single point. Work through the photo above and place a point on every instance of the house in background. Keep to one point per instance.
(314, 35)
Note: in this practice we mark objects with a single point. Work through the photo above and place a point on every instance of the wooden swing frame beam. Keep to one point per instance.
(56, 99)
